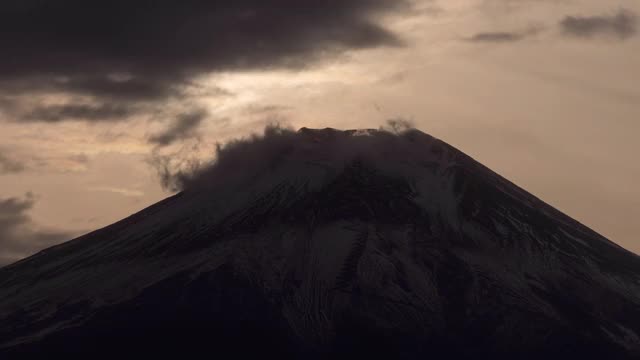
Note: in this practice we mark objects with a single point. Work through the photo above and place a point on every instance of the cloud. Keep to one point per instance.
(9, 165)
(19, 235)
(249, 158)
(503, 36)
(262, 110)
(21, 160)
(66, 112)
(117, 51)
(622, 25)
(184, 127)
(496, 37)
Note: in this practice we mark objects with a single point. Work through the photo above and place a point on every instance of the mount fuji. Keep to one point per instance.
(331, 244)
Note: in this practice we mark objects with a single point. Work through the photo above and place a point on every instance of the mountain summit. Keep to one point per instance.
(331, 244)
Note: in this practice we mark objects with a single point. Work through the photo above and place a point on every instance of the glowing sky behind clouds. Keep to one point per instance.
(543, 92)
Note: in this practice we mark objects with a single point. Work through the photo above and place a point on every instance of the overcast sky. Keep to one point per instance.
(94, 96)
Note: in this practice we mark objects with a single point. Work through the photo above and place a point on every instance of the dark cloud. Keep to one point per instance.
(19, 236)
(622, 25)
(496, 37)
(148, 51)
(9, 165)
(185, 126)
(94, 113)
(503, 36)
(173, 167)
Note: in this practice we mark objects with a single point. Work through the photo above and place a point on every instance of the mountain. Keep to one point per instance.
(331, 244)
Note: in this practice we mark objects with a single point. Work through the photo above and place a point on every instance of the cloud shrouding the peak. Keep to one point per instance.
(246, 158)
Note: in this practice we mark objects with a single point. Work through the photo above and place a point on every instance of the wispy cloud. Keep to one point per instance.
(19, 235)
(9, 165)
(184, 127)
(84, 112)
(503, 36)
(118, 190)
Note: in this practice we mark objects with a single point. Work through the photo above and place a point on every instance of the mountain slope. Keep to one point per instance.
(327, 243)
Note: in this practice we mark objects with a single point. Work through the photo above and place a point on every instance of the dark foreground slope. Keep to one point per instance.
(330, 244)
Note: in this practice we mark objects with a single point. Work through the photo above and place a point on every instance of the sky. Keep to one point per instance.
(97, 99)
